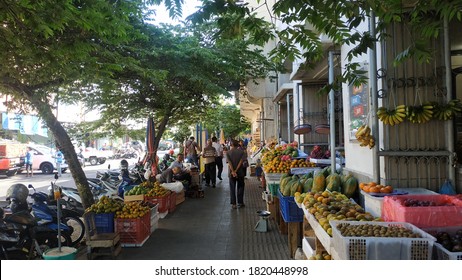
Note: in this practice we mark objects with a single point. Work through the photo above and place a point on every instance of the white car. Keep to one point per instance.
(94, 156)
(43, 159)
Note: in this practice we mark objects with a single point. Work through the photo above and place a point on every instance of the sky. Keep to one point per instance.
(189, 7)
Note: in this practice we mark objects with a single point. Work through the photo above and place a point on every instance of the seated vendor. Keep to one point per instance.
(184, 174)
(168, 175)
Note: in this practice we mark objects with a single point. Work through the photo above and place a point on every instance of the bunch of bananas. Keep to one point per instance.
(365, 137)
(448, 111)
(392, 116)
(420, 114)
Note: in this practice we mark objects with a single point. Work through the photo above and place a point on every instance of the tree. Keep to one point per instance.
(228, 118)
(338, 19)
(179, 76)
(52, 49)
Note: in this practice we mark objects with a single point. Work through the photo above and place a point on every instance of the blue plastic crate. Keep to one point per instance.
(289, 209)
(104, 222)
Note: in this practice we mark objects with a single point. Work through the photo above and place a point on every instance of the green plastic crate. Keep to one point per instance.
(273, 189)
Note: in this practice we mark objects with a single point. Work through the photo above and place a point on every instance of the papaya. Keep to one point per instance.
(334, 183)
(308, 185)
(326, 171)
(319, 182)
(296, 187)
(283, 182)
(350, 187)
(288, 186)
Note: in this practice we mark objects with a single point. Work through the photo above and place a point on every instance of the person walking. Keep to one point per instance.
(59, 159)
(219, 157)
(209, 154)
(236, 174)
(190, 151)
(28, 159)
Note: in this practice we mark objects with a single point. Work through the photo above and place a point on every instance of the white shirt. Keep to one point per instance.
(218, 147)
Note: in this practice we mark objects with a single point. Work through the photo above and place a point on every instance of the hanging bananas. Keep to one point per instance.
(420, 114)
(448, 111)
(392, 116)
(364, 136)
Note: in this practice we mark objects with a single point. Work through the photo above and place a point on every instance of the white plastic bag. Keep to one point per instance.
(174, 186)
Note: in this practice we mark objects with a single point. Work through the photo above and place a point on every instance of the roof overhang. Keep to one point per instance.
(283, 90)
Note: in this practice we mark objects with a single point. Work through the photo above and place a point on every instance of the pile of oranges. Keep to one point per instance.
(373, 187)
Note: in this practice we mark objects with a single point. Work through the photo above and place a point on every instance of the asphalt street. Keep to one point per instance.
(42, 181)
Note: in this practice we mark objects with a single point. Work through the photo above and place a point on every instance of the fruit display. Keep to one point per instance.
(318, 182)
(320, 257)
(137, 190)
(410, 202)
(133, 210)
(106, 205)
(157, 191)
(364, 136)
(420, 114)
(326, 206)
(374, 230)
(448, 111)
(451, 242)
(282, 158)
(317, 152)
(392, 116)
(373, 187)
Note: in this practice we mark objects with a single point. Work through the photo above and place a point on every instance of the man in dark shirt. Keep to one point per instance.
(168, 175)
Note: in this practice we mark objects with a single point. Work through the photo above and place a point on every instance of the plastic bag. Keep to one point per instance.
(174, 186)
(447, 188)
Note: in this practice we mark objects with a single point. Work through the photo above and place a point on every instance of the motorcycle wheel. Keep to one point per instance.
(78, 229)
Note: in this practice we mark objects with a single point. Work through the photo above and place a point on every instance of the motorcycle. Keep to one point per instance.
(21, 237)
(45, 208)
(167, 160)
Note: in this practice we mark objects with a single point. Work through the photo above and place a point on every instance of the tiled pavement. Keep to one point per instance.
(209, 229)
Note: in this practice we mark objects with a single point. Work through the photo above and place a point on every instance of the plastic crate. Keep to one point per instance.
(134, 231)
(393, 210)
(104, 222)
(303, 170)
(289, 209)
(154, 222)
(273, 189)
(273, 176)
(172, 202)
(442, 253)
(382, 248)
(163, 202)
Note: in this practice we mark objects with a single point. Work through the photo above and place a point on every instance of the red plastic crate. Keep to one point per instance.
(133, 231)
(163, 202)
(172, 202)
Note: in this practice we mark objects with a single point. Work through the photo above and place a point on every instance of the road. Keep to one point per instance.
(42, 181)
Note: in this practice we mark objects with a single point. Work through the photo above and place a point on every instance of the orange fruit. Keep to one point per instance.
(374, 189)
(366, 188)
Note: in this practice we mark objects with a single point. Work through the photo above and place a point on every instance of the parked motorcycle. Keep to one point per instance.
(45, 209)
(21, 237)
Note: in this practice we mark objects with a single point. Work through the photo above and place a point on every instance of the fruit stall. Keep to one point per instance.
(135, 217)
(333, 216)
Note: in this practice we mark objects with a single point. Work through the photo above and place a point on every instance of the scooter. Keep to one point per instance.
(45, 210)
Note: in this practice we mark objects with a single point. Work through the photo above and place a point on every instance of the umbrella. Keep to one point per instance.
(151, 150)
(222, 137)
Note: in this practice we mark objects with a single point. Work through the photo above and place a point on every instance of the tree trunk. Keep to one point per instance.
(66, 146)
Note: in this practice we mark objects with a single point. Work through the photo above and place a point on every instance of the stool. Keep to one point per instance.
(262, 224)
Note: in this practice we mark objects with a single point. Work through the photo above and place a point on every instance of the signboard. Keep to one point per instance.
(359, 107)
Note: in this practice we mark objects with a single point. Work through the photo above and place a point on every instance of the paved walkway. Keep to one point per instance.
(209, 229)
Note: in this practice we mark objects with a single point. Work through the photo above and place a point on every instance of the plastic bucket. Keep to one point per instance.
(66, 253)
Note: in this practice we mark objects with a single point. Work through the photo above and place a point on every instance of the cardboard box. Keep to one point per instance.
(129, 198)
(180, 197)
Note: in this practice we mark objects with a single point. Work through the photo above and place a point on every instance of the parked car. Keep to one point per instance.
(94, 156)
(43, 159)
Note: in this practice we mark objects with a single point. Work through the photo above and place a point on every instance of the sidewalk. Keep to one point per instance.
(209, 229)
